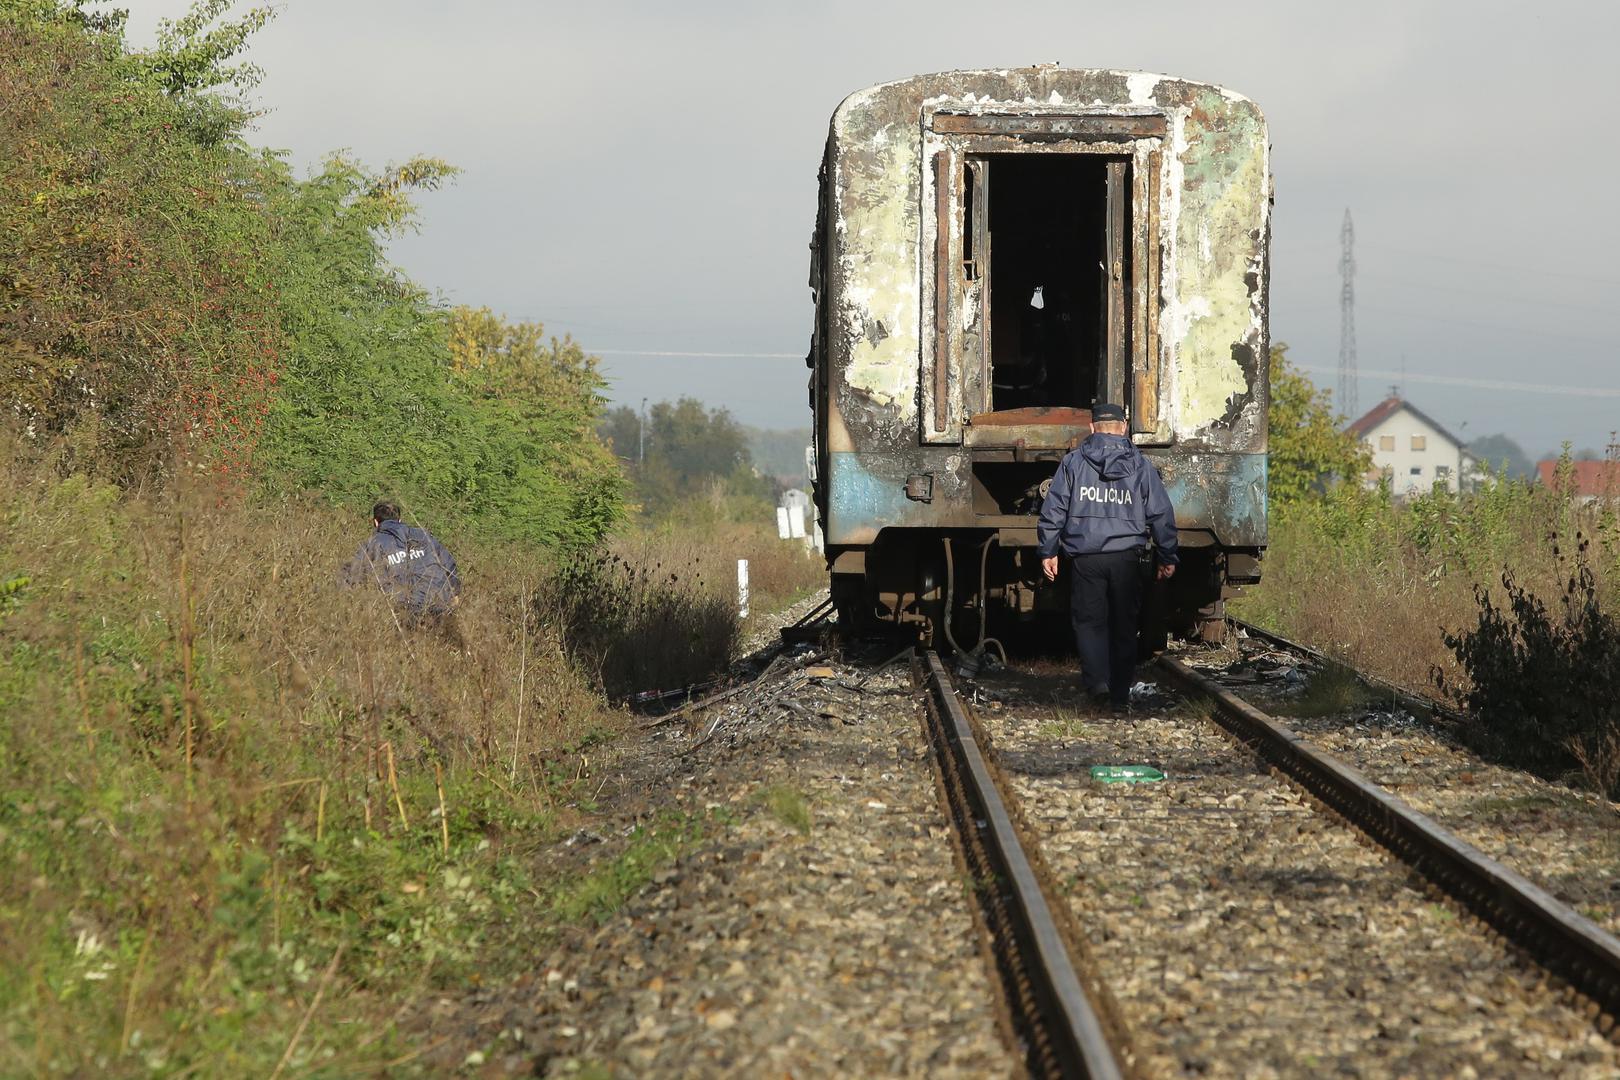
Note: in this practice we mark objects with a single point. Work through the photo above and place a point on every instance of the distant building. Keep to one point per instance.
(1412, 450)
(1588, 481)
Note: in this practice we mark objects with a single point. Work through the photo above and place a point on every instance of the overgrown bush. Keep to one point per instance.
(1542, 682)
(1409, 591)
(641, 626)
(168, 292)
(657, 610)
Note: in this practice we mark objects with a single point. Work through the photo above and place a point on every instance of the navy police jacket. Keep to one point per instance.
(1107, 497)
(409, 565)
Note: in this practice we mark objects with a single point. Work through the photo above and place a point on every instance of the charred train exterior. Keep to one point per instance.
(997, 251)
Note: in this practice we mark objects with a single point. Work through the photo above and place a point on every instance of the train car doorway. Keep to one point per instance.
(1048, 235)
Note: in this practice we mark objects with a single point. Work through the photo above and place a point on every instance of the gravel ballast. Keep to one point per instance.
(1243, 931)
(821, 927)
(1565, 839)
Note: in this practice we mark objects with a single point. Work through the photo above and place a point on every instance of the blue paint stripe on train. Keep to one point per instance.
(1225, 493)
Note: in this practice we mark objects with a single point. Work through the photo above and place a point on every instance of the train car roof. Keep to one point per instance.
(1040, 86)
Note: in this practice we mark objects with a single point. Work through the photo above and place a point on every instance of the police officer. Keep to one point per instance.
(1105, 502)
(408, 564)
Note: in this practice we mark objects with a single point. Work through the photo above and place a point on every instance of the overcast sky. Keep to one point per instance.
(642, 175)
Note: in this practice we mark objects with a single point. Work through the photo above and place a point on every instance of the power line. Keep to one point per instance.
(1477, 384)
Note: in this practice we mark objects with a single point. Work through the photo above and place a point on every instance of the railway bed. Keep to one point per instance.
(1232, 925)
(1565, 840)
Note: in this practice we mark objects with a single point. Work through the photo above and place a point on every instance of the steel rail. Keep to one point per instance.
(1416, 704)
(1065, 1035)
(1563, 941)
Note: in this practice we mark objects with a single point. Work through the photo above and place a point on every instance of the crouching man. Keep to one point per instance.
(409, 565)
(1105, 503)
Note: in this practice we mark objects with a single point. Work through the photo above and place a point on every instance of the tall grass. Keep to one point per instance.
(229, 788)
(1460, 596)
(248, 817)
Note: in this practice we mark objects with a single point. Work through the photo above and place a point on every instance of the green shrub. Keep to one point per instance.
(172, 299)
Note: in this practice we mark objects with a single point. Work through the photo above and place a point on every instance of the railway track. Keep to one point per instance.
(1064, 1020)
(1265, 907)
(1415, 704)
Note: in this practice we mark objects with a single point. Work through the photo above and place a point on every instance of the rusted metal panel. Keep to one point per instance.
(942, 289)
(1222, 493)
(1114, 354)
(1027, 436)
(1043, 415)
(1145, 277)
(1067, 125)
(1029, 429)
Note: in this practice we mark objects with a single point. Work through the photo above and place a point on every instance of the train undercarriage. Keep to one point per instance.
(990, 584)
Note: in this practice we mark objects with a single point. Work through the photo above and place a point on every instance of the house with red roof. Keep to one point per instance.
(1588, 480)
(1412, 449)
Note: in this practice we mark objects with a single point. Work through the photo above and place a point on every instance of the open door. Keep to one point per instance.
(1044, 291)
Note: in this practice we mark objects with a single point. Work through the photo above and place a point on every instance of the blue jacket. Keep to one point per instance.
(409, 565)
(1107, 497)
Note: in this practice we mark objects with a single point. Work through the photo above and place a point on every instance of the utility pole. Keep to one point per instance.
(1347, 319)
(641, 435)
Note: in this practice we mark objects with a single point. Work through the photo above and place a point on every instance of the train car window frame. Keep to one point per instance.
(958, 395)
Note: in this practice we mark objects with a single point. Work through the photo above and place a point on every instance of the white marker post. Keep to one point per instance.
(782, 522)
(742, 588)
(795, 516)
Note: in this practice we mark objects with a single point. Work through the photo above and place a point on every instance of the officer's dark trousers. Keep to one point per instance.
(1104, 600)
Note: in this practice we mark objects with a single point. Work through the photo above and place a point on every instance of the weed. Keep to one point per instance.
(1063, 725)
(11, 593)
(1196, 707)
(1543, 679)
(1333, 688)
(1501, 599)
(602, 890)
(788, 806)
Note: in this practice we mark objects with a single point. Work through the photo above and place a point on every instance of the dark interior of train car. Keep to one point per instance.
(1048, 216)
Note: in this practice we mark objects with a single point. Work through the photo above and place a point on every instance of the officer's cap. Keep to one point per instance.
(1104, 410)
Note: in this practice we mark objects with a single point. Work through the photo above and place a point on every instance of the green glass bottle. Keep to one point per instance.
(1126, 774)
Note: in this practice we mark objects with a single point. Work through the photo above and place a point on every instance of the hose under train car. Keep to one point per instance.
(950, 602)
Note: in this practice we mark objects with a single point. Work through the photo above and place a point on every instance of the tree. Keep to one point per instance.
(695, 443)
(693, 454)
(170, 295)
(1502, 452)
(1309, 451)
(620, 429)
(543, 397)
(138, 311)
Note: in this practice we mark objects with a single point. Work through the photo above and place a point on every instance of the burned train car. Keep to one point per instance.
(997, 251)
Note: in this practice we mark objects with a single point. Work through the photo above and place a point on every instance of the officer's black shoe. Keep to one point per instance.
(1099, 699)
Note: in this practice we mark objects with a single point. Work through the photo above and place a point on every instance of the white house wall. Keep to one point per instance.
(1440, 450)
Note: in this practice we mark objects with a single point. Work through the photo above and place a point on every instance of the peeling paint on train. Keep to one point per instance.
(914, 439)
(1214, 211)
